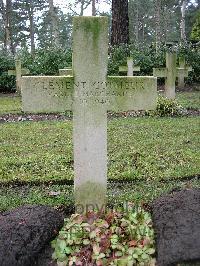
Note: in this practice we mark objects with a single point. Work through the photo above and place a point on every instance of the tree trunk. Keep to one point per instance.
(158, 23)
(3, 13)
(143, 29)
(166, 24)
(137, 22)
(8, 35)
(133, 10)
(183, 9)
(93, 7)
(120, 22)
(54, 23)
(32, 28)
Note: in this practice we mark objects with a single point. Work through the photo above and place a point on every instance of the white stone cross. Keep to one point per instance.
(181, 77)
(66, 71)
(130, 68)
(18, 72)
(170, 73)
(89, 94)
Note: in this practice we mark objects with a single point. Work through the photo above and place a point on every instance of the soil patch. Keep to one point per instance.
(176, 219)
(12, 118)
(25, 232)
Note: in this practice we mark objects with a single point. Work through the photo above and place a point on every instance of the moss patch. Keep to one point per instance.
(90, 196)
(93, 27)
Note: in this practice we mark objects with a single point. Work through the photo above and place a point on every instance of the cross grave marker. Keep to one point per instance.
(170, 73)
(89, 94)
(18, 72)
(182, 65)
(67, 71)
(129, 68)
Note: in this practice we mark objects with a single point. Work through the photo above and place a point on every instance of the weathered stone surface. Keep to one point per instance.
(176, 219)
(25, 231)
(66, 72)
(171, 75)
(90, 56)
(160, 72)
(42, 94)
(12, 72)
(182, 74)
(18, 72)
(131, 93)
(25, 71)
(171, 72)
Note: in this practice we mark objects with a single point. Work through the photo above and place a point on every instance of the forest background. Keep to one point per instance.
(39, 32)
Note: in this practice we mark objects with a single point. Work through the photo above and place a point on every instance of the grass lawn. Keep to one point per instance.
(189, 100)
(138, 149)
(10, 104)
(55, 195)
(143, 150)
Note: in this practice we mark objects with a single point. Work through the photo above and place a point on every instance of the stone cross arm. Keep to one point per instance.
(170, 73)
(42, 94)
(24, 71)
(124, 69)
(66, 71)
(163, 72)
(183, 72)
(18, 72)
(160, 72)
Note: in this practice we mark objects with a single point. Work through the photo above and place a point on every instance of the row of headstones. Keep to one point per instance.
(130, 68)
(170, 73)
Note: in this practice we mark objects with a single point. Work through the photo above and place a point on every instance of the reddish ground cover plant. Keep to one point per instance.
(114, 238)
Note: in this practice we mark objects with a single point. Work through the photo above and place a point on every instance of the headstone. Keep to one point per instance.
(89, 94)
(130, 68)
(170, 73)
(18, 72)
(182, 75)
(66, 71)
(46, 94)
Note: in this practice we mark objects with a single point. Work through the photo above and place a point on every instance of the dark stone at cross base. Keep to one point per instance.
(176, 220)
(25, 231)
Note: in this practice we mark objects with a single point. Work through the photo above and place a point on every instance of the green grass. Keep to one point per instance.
(189, 100)
(138, 149)
(10, 104)
(134, 192)
(145, 150)
(117, 195)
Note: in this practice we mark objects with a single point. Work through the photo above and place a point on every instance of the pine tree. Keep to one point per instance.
(120, 22)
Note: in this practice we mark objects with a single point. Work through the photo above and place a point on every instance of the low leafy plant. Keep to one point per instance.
(114, 238)
(167, 107)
